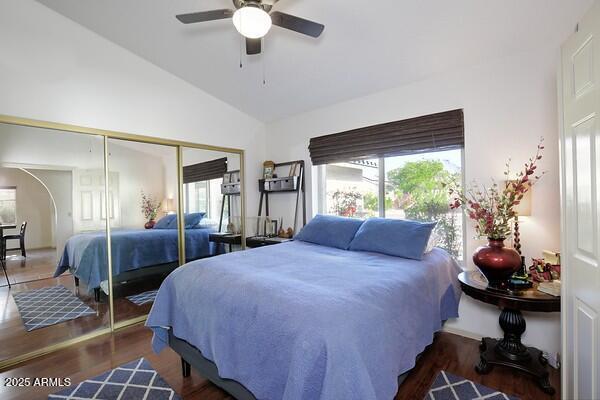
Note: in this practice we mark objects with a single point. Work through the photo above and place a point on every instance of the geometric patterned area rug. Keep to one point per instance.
(143, 298)
(48, 306)
(134, 380)
(451, 387)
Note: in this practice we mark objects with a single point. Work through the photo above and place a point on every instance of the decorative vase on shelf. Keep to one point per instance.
(150, 224)
(497, 262)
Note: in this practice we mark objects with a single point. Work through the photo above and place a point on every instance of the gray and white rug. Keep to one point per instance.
(143, 298)
(48, 306)
(451, 387)
(134, 380)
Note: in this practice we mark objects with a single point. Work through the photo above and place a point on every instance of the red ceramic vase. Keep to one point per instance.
(150, 224)
(497, 262)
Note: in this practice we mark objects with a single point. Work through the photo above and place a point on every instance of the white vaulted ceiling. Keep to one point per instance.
(367, 46)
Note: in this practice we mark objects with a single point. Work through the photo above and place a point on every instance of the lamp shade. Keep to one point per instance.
(169, 206)
(252, 22)
(523, 209)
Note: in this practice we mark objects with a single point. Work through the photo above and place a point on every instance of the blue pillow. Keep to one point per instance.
(165, 222)
(394, 237)
(193, 219)
(329, 230)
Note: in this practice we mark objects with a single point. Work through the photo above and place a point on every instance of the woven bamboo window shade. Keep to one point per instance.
(205, 171)
(435, 132)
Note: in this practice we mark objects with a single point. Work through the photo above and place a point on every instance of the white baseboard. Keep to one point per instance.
(461, 332)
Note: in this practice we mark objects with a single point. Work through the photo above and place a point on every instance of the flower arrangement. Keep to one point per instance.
(150, 206)
(493, 208)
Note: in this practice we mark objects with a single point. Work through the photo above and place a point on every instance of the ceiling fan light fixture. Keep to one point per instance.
(252, 21)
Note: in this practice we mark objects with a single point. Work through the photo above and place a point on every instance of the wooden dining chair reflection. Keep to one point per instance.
(20, 237)
(3, 259)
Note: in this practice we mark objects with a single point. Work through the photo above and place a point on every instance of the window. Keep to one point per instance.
(360, 173)
(197, 197)
(8, 205)
(352, 188)
(403, 187)
(204, 196)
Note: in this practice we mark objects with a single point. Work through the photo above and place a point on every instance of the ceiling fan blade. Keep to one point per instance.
(297, 24)
(204, 16)
(253, 46)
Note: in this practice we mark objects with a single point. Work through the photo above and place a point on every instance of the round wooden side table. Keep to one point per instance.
(509, 351)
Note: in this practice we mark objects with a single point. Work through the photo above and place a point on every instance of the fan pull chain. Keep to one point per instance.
(241, 65)
(262, 59)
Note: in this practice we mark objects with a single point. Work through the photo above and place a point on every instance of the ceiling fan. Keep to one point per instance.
(253, 19)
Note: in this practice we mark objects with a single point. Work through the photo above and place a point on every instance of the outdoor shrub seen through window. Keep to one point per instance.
(412, 187)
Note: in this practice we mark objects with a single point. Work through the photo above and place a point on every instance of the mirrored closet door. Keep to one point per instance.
(71, 196)
(212, 193)
(143, 208)
(53, 247)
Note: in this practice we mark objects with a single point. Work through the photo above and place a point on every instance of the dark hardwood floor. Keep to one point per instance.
(39, 264)
(458, 355)
(452, 353)
(15, 340)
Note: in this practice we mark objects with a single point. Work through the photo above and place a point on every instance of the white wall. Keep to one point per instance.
(55, 70)
(139, 169)
(34, 206)
(508, 104)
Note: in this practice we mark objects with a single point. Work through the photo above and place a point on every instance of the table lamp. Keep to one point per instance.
(169, 206)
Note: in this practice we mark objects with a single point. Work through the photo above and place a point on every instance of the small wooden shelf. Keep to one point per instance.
(229, 189)
(286, 184)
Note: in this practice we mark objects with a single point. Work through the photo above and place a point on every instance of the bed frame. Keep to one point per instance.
(126, 283)
(192, 357)
(127, 279)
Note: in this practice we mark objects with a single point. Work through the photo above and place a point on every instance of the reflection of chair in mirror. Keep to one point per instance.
(20, 237)
(3, 260)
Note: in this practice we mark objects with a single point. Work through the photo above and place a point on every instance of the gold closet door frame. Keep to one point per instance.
(178, 145)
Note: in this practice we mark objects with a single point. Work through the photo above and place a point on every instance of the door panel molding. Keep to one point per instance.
(584, 344)
(579, 103)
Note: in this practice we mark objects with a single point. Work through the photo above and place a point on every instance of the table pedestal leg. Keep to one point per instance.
(510, 352)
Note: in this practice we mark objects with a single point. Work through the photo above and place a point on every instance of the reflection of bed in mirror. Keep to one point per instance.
(139, 256)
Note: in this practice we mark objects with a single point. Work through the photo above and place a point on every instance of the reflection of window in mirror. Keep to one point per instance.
(204, 174)
(204, 196)
(8, 205)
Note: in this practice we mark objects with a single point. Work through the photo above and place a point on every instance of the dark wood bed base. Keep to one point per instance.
(192, 357)
(126, 281)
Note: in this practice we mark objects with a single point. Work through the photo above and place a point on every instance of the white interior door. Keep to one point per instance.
(580, 150)
(89, 209)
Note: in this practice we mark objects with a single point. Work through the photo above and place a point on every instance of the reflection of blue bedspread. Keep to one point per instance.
(302, 321)
(85, 254)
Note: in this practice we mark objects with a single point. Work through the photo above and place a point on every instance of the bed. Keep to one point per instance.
(136, 254)
(303, 321)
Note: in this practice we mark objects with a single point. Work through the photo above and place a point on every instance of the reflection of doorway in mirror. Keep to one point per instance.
(89, 210)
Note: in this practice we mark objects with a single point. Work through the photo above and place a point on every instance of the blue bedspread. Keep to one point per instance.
(303, 321)
(85, 254)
